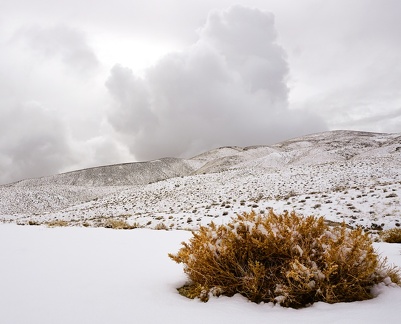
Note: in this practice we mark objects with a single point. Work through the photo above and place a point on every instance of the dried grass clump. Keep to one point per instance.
(284, 259)
(392, 235)
(161, 226)
(119, 224)
(57, 223)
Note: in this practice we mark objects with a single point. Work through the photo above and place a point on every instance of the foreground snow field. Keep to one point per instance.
(96, 275)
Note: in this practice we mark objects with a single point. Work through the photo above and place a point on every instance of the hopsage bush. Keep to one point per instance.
(392, 235)
(285, 259)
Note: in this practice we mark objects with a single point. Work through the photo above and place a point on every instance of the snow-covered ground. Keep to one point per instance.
(83, 273)
(342, 175)
(96, 275)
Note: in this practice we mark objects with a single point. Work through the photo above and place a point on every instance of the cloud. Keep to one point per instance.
(51, 104)
(347, 73)
(386, 121)
(61, 42)
(33, 142)
(229, 88)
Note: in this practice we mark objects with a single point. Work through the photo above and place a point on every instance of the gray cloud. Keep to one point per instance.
(50, 103)
(60, 42)
(33, 142)
(229, 88)
(347, 70)
(387, 121)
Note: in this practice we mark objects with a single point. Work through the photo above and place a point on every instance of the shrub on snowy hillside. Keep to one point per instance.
(285, 259)
(392, 235)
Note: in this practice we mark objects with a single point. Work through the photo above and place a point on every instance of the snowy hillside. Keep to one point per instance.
(342, 175)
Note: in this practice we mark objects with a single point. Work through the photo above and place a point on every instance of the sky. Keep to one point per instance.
(89, 83)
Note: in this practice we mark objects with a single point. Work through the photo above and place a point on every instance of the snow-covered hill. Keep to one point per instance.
(342, 175)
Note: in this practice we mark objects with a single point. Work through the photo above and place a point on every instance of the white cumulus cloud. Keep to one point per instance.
(229, 88)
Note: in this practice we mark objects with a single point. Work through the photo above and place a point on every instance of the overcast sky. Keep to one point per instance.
(95, 82)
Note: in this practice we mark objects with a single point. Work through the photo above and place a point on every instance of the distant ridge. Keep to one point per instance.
(314, 148)
(125, 174)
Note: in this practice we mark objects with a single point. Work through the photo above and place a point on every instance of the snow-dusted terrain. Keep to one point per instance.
(97, 275)
(102, 276)
(341, 175)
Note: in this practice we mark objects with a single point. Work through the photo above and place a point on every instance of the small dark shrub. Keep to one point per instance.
(284, 259)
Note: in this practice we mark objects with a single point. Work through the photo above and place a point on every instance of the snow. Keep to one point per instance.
(91, 274)
(96, 275)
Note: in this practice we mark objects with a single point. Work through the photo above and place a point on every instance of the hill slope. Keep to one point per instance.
(343, 175)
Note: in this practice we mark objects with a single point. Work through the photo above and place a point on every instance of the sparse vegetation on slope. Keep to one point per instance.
(312, 174)
(284, 259)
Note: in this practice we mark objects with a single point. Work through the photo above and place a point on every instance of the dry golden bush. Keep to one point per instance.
(119, 224)
(57, 223)
(285, 259)
(161, 226)
(392, 235)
